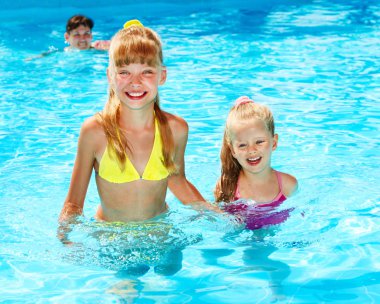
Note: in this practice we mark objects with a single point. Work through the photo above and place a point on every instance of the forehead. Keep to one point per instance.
(81, 28)
(136, 67)
(246, 129)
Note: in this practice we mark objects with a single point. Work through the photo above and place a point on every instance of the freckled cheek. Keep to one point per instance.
(241, 153)
(120, 81)
(148, 82)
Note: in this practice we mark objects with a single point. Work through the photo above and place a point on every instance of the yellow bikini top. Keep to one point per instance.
(155, 169)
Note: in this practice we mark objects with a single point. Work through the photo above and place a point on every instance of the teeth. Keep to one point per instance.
(136, 94)
(254, 159)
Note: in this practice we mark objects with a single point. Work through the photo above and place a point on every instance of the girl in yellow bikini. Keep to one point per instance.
(136, 149)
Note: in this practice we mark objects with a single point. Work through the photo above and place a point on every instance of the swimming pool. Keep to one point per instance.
(315, 63)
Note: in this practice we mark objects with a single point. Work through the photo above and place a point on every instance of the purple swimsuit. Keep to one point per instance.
(258, 216)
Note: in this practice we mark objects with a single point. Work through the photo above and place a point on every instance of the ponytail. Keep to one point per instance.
(166, 138)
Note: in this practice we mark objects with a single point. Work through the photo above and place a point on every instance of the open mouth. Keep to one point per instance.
(254, 161)
(83, 44)
(136, 95)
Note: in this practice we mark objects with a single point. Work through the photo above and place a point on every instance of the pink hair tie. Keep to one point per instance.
(242, 100)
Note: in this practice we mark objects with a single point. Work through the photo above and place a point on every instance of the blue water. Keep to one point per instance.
(315, 63)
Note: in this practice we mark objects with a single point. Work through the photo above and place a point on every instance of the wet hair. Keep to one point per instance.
(78, 20)
(135, 44)
(225, 190)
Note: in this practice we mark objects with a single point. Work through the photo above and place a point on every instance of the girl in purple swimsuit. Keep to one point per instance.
(249, 187)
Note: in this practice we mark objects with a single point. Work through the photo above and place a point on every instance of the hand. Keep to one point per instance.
(62, 234)
(101, 45)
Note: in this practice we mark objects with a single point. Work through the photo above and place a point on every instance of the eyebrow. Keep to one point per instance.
(76, 31)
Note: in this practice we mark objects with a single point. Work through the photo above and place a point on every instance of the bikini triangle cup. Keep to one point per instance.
(110, 170)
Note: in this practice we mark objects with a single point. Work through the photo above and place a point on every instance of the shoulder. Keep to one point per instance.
(176, 121)
(92, 130)
(91, 125)
(289, 184)
(178, 125)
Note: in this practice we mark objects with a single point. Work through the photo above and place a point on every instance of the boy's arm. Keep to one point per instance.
(43, 54)
(102, 45)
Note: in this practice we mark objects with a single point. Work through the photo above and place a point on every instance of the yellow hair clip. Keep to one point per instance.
(134, 22)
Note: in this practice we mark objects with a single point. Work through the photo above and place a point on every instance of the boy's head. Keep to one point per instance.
(78, 32)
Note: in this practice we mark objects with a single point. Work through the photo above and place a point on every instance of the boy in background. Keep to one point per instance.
(79, 35)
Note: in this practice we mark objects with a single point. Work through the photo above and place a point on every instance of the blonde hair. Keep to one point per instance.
(135, 44)
(230, 166)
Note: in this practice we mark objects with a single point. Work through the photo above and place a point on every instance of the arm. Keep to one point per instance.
(43, 54)
(178, 184)
(217, 190)
(73, 205)
(102, 45)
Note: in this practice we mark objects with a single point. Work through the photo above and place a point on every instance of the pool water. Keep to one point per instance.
(315, 63)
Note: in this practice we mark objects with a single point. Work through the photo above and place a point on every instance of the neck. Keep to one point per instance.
(261, 177)
(131, 119)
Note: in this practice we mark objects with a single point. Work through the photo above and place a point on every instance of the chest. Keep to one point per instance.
(141, 146)
(261, 193)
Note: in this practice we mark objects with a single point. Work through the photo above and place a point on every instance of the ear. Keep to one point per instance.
(232, 150)
(66, 35)
(163, 75)
(275, 141)
(109, 76)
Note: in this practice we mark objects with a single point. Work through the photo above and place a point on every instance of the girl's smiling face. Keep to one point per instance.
(252, 144)
(136, 84)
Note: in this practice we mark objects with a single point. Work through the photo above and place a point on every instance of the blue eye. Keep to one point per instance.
(148, 72)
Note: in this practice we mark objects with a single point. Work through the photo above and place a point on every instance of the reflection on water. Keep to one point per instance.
(257, 257)
(129, 249)
(315, 63)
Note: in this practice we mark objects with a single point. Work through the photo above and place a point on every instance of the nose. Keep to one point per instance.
(135, 80)
(84, 36)
(252, 149)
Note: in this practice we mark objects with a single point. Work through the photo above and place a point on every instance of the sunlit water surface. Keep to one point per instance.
(315, 63)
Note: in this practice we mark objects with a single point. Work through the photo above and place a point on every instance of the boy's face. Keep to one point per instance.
(79, 38)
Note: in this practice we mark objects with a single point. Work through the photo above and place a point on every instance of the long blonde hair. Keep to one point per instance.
(241, 111)
(135, 44)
